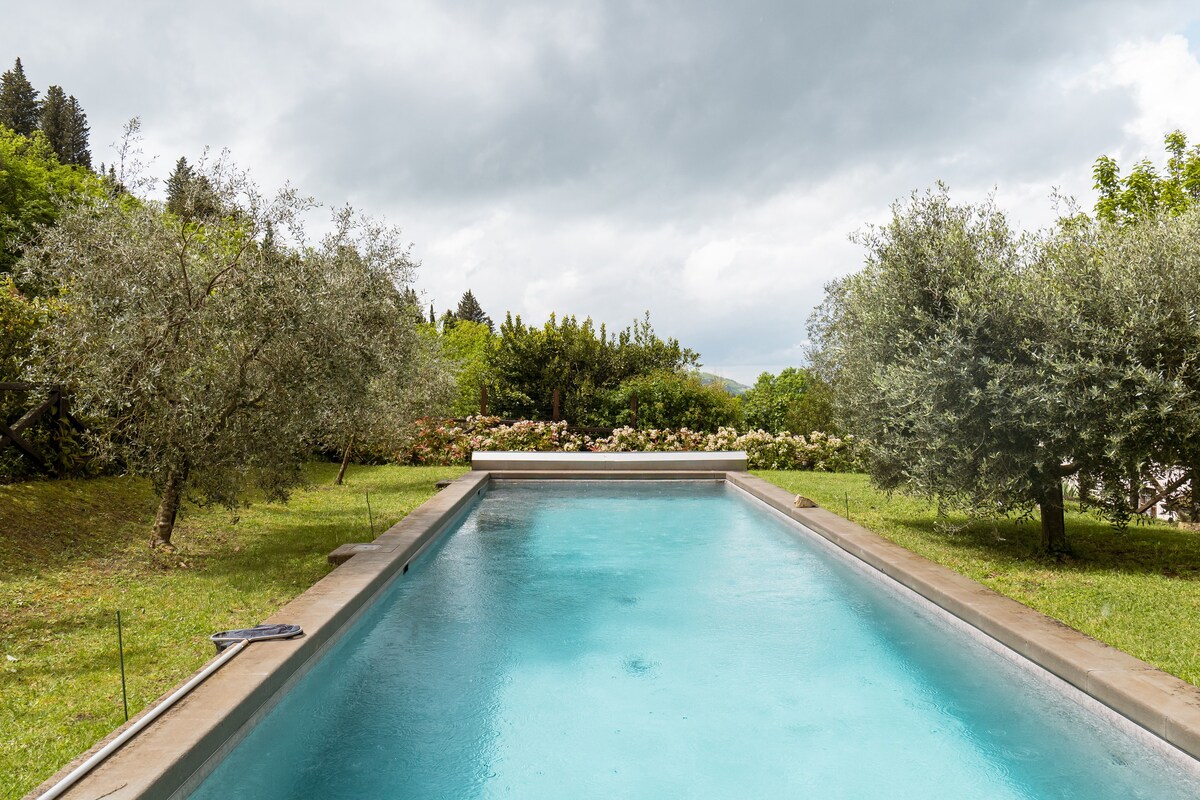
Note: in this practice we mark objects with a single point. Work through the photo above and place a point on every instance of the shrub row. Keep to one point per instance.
(443, 442)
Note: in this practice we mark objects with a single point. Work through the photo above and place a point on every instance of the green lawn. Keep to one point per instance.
(1138, 590)
(74, 552)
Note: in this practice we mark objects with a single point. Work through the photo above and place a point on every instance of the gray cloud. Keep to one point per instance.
(701, 159)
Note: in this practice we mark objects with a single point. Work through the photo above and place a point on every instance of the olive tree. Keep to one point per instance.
(937, 351)
(205, 347)
(1130, 355)
(984, 368)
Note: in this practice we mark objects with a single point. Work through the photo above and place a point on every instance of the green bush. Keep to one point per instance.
(675, 400)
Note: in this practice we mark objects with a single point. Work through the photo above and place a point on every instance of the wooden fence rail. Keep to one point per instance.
(51, 402)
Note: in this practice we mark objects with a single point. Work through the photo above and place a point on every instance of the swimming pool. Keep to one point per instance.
(669, 639)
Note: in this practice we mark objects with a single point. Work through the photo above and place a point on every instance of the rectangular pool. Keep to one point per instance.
(658, 639)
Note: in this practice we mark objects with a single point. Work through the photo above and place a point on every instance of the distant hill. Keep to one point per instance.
(729, 385)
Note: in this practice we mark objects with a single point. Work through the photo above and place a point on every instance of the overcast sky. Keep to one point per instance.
(704, 161)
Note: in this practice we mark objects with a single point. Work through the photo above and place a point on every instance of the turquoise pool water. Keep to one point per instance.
(668, 640)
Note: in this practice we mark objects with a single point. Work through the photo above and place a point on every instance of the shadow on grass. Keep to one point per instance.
(1144, 548)
(51, 524)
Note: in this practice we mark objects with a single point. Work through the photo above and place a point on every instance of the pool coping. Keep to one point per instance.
(171, 756)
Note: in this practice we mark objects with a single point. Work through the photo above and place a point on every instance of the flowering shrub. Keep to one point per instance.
(525, 436)
(817, 451)
(437, 443)
(447, 443)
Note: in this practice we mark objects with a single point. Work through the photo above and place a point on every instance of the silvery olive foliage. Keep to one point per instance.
(1127, 360)
(214, 346)
(982, 368)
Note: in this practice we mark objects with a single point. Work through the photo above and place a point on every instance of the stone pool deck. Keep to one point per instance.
(176, 752)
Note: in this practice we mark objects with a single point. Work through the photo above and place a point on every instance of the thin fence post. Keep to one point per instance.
(483, 400)
(121, 653)
(554, 400)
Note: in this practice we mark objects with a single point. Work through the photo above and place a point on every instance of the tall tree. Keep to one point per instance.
(938, 354)
(76, 150)
(56, 122)
(190, 194)
(18, 101)
(470, 310)
(204, 353)
(1144, 192)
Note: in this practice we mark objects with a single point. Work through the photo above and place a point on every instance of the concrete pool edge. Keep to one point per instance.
(177, 750)
(1157, 701)
(172, 750)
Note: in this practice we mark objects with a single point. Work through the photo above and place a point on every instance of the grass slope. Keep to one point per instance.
(73, 552)
(1138, 590)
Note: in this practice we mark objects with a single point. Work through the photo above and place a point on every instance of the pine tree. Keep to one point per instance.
(469, 309)
(432, 318)
(18, 101)
(189, 193)
(77, 150)
(177, 186)
(56, 122)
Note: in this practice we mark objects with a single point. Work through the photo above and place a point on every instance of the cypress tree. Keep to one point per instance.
(18, 101)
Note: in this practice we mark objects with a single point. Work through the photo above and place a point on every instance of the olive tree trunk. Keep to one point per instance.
(168, 509)
(1054, 527)
(345, 460)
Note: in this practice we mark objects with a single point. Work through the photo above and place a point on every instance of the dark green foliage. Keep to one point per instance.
(469, 309)
(18, 101)
(190, 194)
(1143, 193)
(674, 400)
(410, 302)
(584, 364)
(794, 401)
(56, 122)
(75, 149)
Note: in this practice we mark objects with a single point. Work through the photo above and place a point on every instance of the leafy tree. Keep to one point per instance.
(469, 309)
(33, 188)
(467, 344)
(583, 364)
(1144, 193)
(18, 101)
(204, 350)
(941, 355)
(674, 400)
(390, 372)
(1126, 357)
(794, 401)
